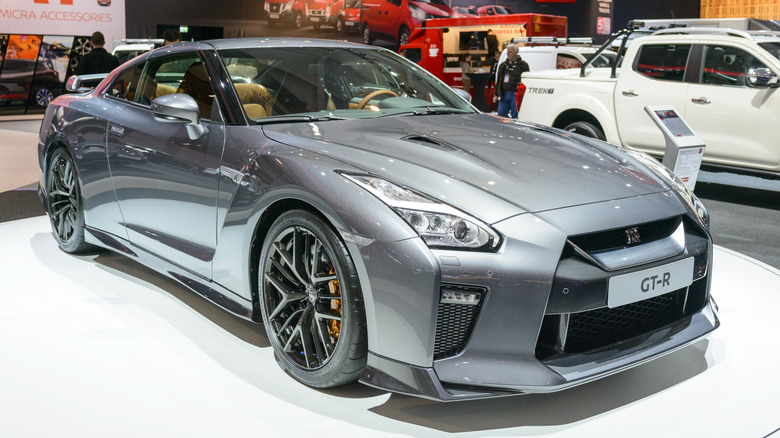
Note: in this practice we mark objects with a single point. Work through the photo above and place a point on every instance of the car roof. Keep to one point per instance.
(244, 43)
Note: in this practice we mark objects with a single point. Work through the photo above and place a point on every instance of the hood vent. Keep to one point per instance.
(429, 141)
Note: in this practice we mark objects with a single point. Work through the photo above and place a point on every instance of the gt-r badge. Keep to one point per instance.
(632, 236)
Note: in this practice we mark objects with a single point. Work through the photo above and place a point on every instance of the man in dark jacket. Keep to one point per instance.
(509, 75)
(97, 60)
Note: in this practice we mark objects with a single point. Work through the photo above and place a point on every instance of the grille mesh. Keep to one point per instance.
(454, 323)
(614, 239)
(596, 328)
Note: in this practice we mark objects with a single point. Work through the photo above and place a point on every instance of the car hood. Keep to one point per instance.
(460, 158)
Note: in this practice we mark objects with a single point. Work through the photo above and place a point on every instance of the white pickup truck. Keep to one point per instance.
(724, 82)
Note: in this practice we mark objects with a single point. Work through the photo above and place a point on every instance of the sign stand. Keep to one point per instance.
(684, 149)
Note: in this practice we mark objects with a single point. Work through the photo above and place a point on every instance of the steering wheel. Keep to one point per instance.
(372, 95)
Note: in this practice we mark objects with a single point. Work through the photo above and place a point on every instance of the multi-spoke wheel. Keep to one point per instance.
(64, 203)
(43, 96)
(311, 301)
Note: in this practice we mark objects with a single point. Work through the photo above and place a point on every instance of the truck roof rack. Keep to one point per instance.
(703, 31)
(551, 40)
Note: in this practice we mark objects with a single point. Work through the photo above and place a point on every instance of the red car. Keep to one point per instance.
(494, 10)
(351, 15)
(393, 20)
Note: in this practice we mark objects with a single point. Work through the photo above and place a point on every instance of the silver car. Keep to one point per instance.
(380, 227)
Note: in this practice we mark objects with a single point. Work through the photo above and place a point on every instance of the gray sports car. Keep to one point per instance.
(379, 226)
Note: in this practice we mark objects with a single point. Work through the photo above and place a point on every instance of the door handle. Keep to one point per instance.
(116, 130)
(630, 93)
(701, 100)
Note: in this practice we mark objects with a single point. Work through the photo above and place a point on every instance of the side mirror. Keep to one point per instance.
(463, 94)
(84, 83)
(179, 108)
(762, 78)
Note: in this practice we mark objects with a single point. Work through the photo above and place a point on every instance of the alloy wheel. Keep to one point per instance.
(63, 198)
(302, 297)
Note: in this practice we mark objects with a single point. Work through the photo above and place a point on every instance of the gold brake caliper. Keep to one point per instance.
(334, 327)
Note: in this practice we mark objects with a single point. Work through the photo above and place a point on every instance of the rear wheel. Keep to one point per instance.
(298, 20)
(403, 36)
(585, 128)
(64, 204)
(367, 35)
(311, 302)
(339, 24)
(43, 96)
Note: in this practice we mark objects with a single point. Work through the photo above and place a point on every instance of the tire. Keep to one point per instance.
(82, 46)
(367, 39)
(64, 203)
(339, 26)
(585, 128)
(298, 20)
(43, 96)
(403, 36)
(320, 339)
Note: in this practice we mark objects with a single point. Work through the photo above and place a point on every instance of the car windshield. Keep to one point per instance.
(337, 83)
(773, 48)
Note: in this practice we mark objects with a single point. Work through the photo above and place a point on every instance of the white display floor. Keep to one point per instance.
(99, 346)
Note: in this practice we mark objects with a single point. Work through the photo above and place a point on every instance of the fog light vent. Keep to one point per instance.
(457, 313)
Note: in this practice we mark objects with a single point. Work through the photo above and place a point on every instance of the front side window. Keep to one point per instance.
(125, 86)
(663, 61)
(726, 65)
(334, 82)
(177, 74)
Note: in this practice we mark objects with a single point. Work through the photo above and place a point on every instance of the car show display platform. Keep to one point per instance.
(96, 345)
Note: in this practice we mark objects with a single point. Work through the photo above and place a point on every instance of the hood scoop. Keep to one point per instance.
(429, 141)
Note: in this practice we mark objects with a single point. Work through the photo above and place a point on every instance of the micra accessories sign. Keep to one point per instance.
(64, 17)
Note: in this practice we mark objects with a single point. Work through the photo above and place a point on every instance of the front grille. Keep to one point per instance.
(454, 323)
(274, 7)
(599, 327)
(617, 238)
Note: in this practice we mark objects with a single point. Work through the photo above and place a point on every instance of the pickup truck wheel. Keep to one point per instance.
(585, 128)
(367, 35)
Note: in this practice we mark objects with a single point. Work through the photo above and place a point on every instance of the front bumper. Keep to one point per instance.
(514, 340)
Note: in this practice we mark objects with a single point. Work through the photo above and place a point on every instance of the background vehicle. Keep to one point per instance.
(550, 53)
(722, 81)
(493, 10)
(351, 15)
(394, 20)
(130, 48)
(462, 11)
(288, 11)
(20, 82)
(376, 224)
(325, 12)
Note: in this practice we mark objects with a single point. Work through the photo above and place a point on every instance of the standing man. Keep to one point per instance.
(466, 70)
(492, 42)
(171, 36)
(97, 60)
(510, 73)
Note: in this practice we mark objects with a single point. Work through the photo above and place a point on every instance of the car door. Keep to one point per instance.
(654, 78)
(166, 183)
(738, 123)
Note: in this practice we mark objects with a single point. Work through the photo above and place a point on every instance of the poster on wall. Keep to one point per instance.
(64, 17)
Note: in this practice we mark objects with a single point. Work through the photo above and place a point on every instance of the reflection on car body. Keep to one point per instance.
(379, 226)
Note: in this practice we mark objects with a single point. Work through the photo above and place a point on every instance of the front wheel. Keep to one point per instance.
(64, 205)
(585, 128)
(43, 96)
(403, 36)
(339, 25)
(311, 302)
(367, 35)
(298, 20)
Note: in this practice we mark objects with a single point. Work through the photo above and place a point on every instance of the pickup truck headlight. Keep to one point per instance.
(438, 224)
(662, 171)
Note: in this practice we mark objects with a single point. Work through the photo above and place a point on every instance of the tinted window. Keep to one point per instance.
(663, 61)
(725, 65)
(178, 74)
(772, 48)
(125, 85)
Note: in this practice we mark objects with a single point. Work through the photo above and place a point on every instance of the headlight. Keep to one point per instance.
(439, 225)
(662, 171)
(288, 5)
(417, 13)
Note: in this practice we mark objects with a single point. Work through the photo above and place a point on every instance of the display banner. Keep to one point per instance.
(64, 17)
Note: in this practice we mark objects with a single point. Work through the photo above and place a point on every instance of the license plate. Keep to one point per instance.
(350, 23)
(274, 15)
(641, 285)
(315, 19)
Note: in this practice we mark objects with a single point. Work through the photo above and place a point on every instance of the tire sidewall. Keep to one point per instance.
(328, 374)
(76, 242)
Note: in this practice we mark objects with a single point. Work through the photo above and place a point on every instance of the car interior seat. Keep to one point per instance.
(196, 84)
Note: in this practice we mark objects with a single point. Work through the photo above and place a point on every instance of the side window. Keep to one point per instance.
(177, 74)
(726, 65)
(567, 61)
(663, 61)
(395, 2)
(125, 86)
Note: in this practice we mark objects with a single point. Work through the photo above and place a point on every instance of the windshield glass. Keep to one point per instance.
(772, 48)
(325, 82)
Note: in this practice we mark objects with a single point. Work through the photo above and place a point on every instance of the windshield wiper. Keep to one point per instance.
(430, 111)
(296, 118)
